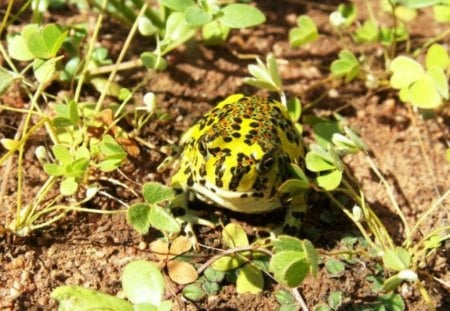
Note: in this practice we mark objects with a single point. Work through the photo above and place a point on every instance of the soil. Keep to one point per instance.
(91, 250)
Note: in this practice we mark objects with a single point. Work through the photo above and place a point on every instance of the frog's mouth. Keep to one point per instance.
(242, 202)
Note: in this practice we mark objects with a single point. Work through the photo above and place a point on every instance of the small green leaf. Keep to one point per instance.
(335, 299)
(391, 302)
(211, 288)
(53, 38)
(68, 186)
(368, 32)
(294, 186)
(330, 180)
(284, 297)
(177, 31)
(289, 267)
(178, 5)
(155, 192)
(193, 292)
(423, 94)
(442, 13)
(237, 15)
(214, 275)
(54, 169)
(437, 56)
(439, 80)
(227, 263)
(6, 79)
(335, 267)
(316, 163)
(110, 164)
(249, 280)
(62, 154)
(272, 68)
(153, 61)
(294, 107)
(215, 33)
(405, 72)
(43, 70)
(312, 257)
(80, 298)
(306, 32)
(233, 235)
(287, 243)
(397, 259)
(346, 65)
(109, 146)
(138, 216)
(322, 307)
(324, 131)
(162, 220)
(142, 282)
(18, 49)
(196, 16)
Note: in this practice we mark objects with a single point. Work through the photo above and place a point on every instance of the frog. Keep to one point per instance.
(239, 154)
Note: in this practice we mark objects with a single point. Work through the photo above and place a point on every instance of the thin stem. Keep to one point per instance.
(83, 74)
(126, 45)
(390, 194)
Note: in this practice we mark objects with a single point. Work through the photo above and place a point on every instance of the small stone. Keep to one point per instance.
(333, 93)
(142, 245)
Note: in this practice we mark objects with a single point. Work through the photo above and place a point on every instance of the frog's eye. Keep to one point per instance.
(266, 163)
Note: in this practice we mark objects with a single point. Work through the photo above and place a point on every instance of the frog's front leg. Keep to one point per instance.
(188, 217)
(295, 214)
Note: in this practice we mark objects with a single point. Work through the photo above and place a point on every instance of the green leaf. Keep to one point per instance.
(142, 282)
(53, 38)
(335, 267)
(335, 299)
(162, 220)
(43, 70)
(442, 13)
(145, 307)
(322, 307)
(237, 15)
(155, 192)
(68, 186)
(178, 5)
(249, 280)
(193, 292)
(233, 235)
(330, 180)
(423, 94)
(214, 275)
(346, 65)
(405, 72)
(109, 146)
(287, 243)
(177, 32)
(294, 186)
(111, 163)
(215, 33)
(394, 281)
(6, 79)
(312, 257)
(437, 56)
(272, 69)
(391, 302)
(305, 32)
(348, 12)
(227, 263)
(153, 61)
(196, 16)
(62, 154)
(397, 259)
(439, 80)
(138, 216)
(289, 267)
(324, 131)
(368, 32)
(79, 298)
(294, 107)
(18, 49)
(316, 163)
(284, 297)
(54, 169)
